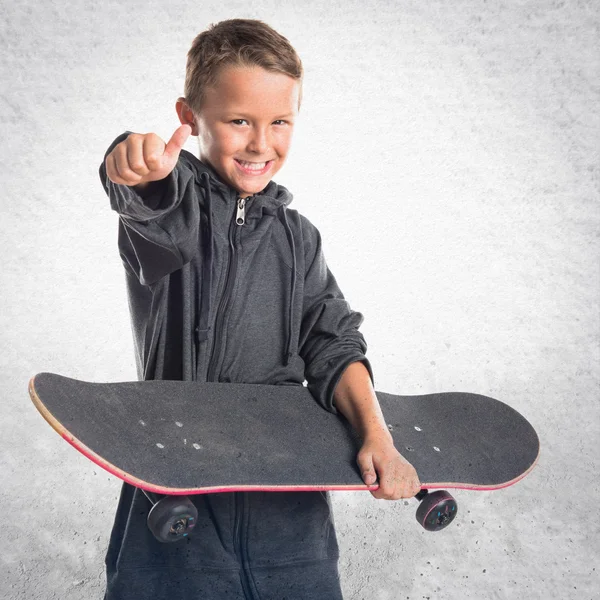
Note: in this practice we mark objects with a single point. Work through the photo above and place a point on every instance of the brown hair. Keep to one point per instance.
(240, 43)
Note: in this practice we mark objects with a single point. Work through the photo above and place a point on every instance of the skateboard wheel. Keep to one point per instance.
(436, 511)
(172, 518)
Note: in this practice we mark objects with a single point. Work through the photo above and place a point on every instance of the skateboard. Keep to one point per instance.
(173, 439)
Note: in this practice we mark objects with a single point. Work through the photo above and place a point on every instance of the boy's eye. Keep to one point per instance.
(236, 121)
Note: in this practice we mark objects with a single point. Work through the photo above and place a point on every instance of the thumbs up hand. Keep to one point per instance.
(144, 157)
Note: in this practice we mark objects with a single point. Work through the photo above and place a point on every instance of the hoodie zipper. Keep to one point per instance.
(239, 219)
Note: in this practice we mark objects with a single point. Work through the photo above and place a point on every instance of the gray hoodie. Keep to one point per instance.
(221, 290)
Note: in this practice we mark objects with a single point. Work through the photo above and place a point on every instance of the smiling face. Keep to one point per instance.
(248, 117)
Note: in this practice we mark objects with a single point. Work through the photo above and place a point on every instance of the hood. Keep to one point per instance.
(272, 200)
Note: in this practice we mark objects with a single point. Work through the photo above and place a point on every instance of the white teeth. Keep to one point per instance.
(253, 166)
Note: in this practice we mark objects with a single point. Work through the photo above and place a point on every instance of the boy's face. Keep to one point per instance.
(248, 116)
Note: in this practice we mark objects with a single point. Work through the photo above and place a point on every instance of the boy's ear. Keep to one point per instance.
(186, 115)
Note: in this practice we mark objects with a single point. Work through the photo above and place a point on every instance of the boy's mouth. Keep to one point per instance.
(253, 168)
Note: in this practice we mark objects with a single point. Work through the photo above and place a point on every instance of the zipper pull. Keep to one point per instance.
(240, 218)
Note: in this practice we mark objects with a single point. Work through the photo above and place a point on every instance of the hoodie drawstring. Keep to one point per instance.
(202, 328)
(288, 348)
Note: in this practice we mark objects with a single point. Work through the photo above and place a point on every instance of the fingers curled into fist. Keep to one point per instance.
(144, 157)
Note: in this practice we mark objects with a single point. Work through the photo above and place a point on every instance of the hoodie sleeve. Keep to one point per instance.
(159, 231)
(329, 336)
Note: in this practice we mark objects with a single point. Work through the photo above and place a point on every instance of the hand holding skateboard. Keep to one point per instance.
(144, 157)
(379, 460)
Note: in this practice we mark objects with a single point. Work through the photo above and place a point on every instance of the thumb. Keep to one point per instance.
(177, 141)
(365, 464)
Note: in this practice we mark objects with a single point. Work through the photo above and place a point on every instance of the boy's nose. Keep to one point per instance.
(259, 143)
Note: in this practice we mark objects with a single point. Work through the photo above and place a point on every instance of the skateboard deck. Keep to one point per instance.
(183, 438)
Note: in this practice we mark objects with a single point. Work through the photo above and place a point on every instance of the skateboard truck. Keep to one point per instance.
(171, 518)
(436, 510)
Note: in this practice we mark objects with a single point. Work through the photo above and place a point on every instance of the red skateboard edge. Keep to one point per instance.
(150, 487)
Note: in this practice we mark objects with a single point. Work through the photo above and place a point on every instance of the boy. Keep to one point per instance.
(228, 284)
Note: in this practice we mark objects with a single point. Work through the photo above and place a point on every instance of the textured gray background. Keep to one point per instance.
(448, 153)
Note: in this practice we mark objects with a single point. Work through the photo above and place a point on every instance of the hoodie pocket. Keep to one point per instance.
(290, 527)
